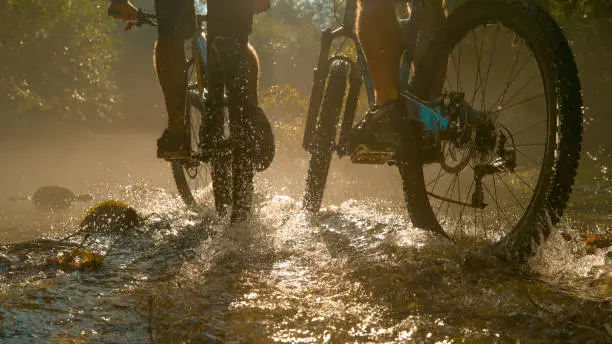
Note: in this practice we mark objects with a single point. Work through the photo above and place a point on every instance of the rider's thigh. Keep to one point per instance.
(229, 17)
(252, 62)
(252, 74)
(253, 58)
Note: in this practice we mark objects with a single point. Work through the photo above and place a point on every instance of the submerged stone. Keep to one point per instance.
(56, 197)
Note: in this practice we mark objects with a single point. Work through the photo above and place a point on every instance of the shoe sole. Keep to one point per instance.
(174, 157)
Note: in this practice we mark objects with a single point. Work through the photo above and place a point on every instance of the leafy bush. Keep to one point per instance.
(56, 56)
(286, 108)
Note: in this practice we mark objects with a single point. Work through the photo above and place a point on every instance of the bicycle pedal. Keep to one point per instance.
(364, 155)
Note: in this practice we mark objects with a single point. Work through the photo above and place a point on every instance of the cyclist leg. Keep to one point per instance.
(234, 18)
(253, 75)
(380, 35)
(176, 19)
(433, 14)
(264, 136)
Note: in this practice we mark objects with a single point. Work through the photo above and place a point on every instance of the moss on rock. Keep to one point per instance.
(110, 216)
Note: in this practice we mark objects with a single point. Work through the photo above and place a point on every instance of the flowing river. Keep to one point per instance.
(358, 272)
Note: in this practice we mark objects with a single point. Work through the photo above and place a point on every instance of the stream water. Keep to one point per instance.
(358, 272)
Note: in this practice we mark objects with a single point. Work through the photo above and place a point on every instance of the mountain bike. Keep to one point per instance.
(226, 141)
(489, 157)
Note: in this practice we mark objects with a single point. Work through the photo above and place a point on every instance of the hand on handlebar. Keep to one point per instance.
(123, 10)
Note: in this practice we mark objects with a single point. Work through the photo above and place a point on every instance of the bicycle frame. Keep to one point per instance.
(431, 116)
(199, 47)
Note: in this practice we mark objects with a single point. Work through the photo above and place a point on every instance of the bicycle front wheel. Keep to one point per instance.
(506, 176)
(195, 179)
(325, 135)
(243, 166)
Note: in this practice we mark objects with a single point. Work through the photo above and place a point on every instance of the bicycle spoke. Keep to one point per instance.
(502, 76)
(502, 209)
(511, 193)
(507, 83)
(521, 89)
(529, 127)
(448, 204)
(475, 222)
(511, 81)
(456, 68)
(460, 218)
(511, 76)
(498, 208)
(523, 181)
(465, 201)
(484, 105)
(530, 99)
(435, 181)
(480, 59)
(446, 193)
(528, 157)
(478, 81)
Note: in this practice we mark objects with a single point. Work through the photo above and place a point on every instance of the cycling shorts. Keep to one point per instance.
(225, 17)
(230, 17)
(175, 17)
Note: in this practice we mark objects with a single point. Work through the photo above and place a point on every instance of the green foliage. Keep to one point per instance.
(285, 107)
(284, 99)
(56, 56)
(110, 216)
(564, 9)
(587, 25)
(287, 42)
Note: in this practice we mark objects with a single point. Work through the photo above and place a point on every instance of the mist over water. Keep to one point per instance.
(357, 272)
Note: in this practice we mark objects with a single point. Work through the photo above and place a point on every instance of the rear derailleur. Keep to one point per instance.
(505, 161)
(488, 139)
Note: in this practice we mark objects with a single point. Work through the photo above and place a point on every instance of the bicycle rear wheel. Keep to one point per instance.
(511, 63)
(241, 125)
(195, 179)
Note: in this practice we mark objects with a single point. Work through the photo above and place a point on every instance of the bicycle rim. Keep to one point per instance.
(499, 57)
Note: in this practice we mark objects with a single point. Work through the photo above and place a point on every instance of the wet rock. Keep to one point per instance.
(600, 240)
(6, 260)
(56, 197)
(595, 241)
(590, 249)
(110, 216)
